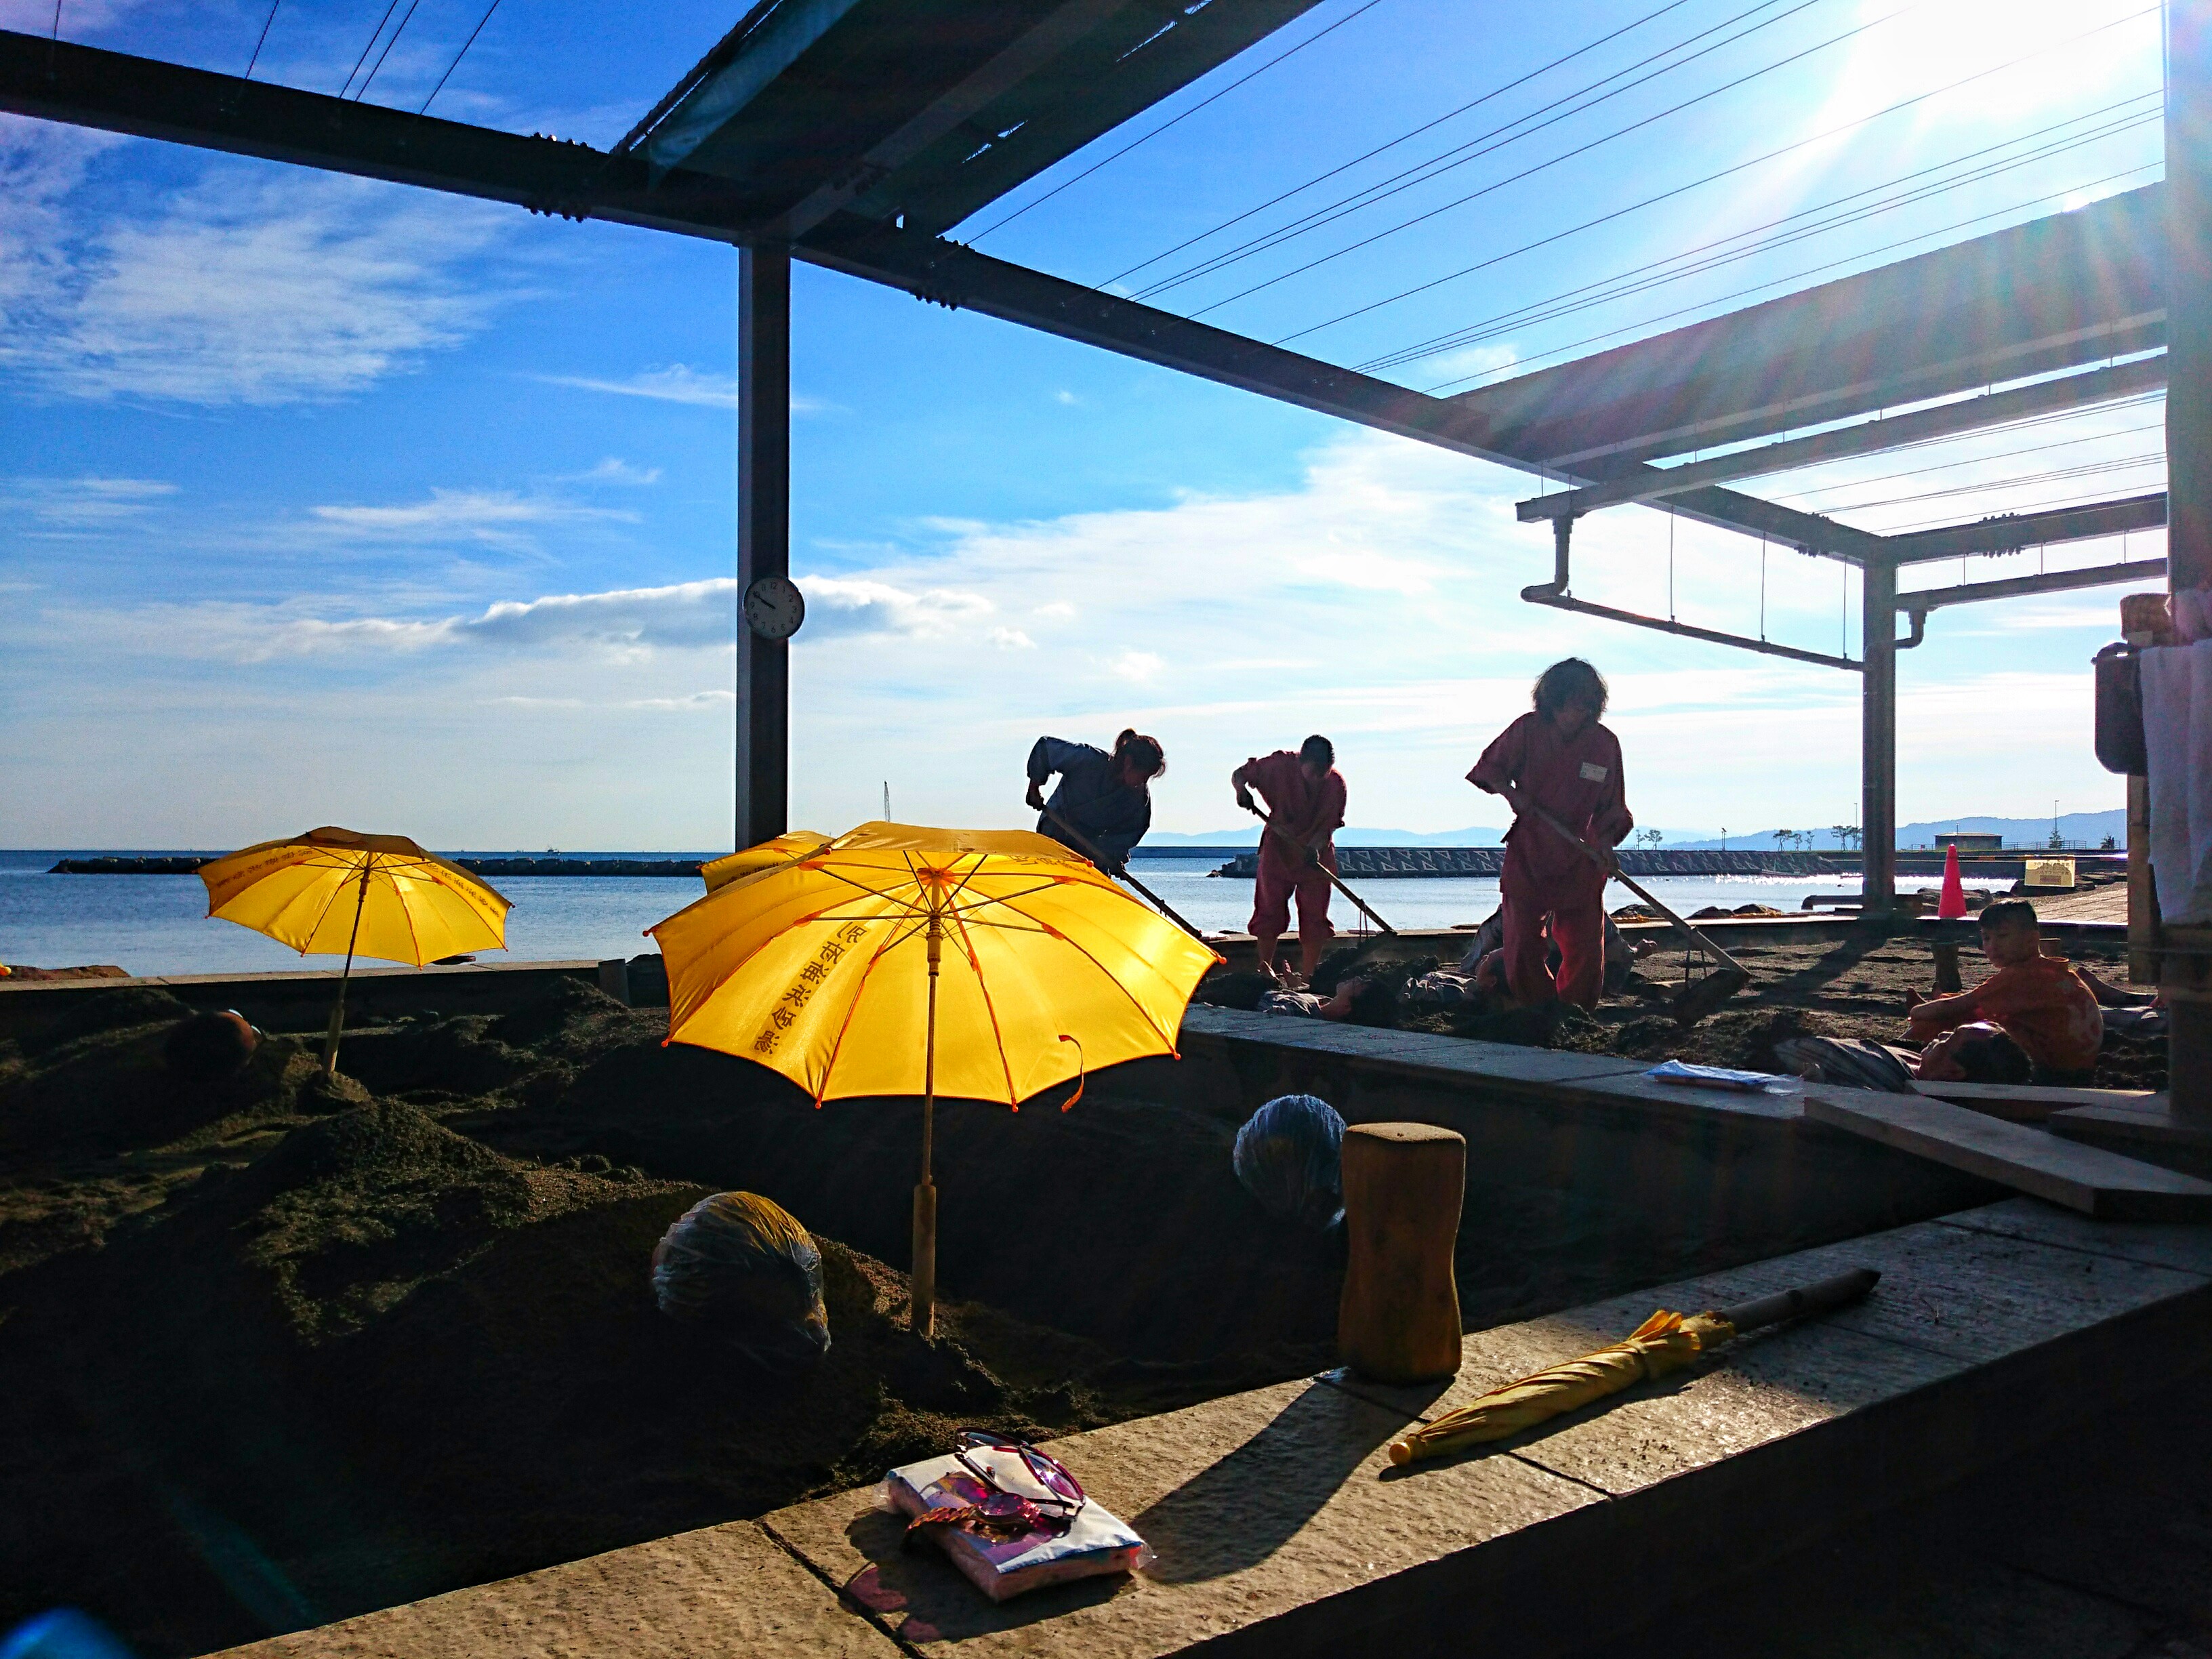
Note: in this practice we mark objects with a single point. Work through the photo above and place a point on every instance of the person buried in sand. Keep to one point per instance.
(1105, 800)
(2034, 1019)
(1557, 760)
(1306, 800)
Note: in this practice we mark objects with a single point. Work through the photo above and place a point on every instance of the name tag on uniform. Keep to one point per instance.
(1593, 773)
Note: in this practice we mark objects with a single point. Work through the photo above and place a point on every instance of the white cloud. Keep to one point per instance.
(1011, 639)
(1141, 666)
(495, 517)
(1058, 610)
(88, 503)
(247, 288)
(616, 471)
(679, 383)
(839, 606)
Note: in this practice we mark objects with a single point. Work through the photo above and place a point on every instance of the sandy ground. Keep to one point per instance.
(1850, 988)
(277, 1351)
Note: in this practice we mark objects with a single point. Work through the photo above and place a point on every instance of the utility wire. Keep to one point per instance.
(2139, 398)
(1948, 523)
(263, 40)
(1568, 155)
(1474, 150)
(1000, 224)
(1403, 137)
(1642, 280)
(1778, 282)
(390, 6)
(405, 18)
(1802, 495)
(1635, 126)
(1518, 318)
(458, 56)
(2123, 463)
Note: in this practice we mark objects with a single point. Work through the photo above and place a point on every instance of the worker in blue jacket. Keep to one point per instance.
(1105, 799)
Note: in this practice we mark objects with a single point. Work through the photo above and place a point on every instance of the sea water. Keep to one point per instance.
(151, 925)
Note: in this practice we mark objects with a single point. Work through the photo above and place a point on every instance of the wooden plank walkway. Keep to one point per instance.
(2086, 1178)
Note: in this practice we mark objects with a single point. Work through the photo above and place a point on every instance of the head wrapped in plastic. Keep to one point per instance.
(1290, 1157)
(740, 1264)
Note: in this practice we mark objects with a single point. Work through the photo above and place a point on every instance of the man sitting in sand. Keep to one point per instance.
(2035, 1014)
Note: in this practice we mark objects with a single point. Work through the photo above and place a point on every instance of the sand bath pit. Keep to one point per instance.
(289, 1351)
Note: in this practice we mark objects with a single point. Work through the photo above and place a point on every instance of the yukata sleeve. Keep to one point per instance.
(1051, 754)
(1502, 763)
(1613, 820)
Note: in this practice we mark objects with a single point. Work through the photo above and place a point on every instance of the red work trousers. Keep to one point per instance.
(1577, 928)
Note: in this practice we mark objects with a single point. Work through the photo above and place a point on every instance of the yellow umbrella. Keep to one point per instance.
(896, 960)
(1665, 1342)
(792, 843)
(335, 889)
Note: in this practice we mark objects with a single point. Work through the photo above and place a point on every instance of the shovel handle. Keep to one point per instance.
(1314, 859)
(1625, 880)
(1083, 845)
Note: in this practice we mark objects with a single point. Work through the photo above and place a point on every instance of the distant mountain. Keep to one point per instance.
(1249, 835)
(2076, 828)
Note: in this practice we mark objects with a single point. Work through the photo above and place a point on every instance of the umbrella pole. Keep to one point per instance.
(338, 1008)
(924, 1315)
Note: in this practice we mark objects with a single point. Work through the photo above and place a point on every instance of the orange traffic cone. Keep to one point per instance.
(1952, 904)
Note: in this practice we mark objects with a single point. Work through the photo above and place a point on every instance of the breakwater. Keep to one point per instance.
(551, 866)
(1374, 862)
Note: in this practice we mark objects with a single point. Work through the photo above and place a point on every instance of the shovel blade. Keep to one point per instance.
(1694, 1002)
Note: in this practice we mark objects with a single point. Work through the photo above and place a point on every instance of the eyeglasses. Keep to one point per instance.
(1053, 1508)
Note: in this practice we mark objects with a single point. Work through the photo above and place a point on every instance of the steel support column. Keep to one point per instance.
(2189, 452)
(1878, 738)
(764, 537)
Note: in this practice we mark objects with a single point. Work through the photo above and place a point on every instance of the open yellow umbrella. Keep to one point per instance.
(335, 889)
(897, 960)
(751, 861)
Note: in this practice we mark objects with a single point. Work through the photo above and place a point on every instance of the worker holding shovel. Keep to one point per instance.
(1305, 799)
(1557, 762)
(1103, 804)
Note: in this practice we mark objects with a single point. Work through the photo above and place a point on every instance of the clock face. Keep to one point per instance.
(774, 608)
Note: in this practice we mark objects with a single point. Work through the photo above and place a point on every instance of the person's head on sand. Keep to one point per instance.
(1570, 695)
(1138, 759)
(2010, 933)
(1316, 754)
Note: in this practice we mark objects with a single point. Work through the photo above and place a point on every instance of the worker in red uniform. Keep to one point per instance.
(1305, 808)
(1557, 760)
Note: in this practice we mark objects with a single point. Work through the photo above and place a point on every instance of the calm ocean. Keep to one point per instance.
(159, 923)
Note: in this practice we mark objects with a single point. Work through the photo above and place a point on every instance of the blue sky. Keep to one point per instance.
(327, 501)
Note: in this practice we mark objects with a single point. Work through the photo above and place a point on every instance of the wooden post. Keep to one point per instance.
(763, 759)
(1403, 1185)
(1878, 741)
(1947, 966)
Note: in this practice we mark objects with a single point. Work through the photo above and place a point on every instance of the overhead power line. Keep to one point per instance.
(1640, 278)
(1000, 224)
(458, 56)
(1711, 255)
(263, 40)
(1798, 276)
(1971, 460)
(1634, 126)
(1475, 149)
(1403, 137)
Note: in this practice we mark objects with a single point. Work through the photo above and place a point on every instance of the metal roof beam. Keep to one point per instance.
(2082, 391)
(2052, 294)
(2020, 587)
(2012, 531)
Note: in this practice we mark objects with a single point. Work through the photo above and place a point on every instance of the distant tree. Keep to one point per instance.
(1783, 838)
(2056, 840)
(1847, 835)
(2108, 844)
(1653, 837)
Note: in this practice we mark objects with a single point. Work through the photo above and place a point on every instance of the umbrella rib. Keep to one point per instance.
(399, 898)
(837, 1048)
(1114, 980)
(997, 1034)
(325, 911)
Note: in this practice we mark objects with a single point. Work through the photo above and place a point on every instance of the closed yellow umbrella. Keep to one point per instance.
(1665, 1342)
(332, 890)
(898, 960)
